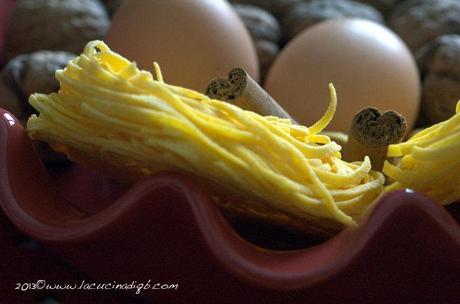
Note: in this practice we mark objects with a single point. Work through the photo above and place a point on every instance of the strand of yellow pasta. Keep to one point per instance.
(429, 162)
(321, 124)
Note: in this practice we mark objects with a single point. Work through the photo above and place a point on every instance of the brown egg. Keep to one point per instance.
(193, 40)
(367, 63)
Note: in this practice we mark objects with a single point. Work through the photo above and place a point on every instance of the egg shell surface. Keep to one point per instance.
(368, 64)
(192, 40)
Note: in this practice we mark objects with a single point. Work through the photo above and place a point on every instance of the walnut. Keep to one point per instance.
(277, 8)
(112, 5)
(65, 25)
(306, 14)
(419, 21)
(260, 23)
(265, 32)
(10, 101)
(266, 52)
(384, 6)
(27, 74)
(439, 64)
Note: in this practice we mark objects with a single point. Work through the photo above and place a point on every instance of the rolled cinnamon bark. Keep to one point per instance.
(243, 91)
(371, 133)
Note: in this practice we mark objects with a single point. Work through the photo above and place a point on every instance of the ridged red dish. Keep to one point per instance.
(167, 229)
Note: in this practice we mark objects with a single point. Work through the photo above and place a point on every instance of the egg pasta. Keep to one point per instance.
(430, 161)
(108, 113)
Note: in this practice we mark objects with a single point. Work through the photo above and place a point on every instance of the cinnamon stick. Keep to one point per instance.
(243, 91)
(371, 133)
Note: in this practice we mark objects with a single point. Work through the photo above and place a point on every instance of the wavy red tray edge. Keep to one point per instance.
(153, 210)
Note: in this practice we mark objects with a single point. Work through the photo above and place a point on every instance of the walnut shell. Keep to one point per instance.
(439, 63)
(65, 25)
(419, 21)
(383, 6)
(277, 8)
(10, 101)
(439, 96)
(266, 53)
(260, 23)
(27, 74)
(112, 5)
(306, 14)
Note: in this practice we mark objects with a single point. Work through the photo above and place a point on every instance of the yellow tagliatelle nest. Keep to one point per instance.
(109, 113)
(430, 162)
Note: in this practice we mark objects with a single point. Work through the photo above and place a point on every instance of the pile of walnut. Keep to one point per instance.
(41, 35)
(435, 43)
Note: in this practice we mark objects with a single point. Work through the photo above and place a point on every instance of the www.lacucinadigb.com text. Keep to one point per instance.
(136, 286)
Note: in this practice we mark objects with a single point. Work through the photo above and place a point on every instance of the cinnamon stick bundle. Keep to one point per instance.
(371, 133)
(243, 91)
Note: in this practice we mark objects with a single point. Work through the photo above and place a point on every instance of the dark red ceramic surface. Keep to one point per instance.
(167, 229)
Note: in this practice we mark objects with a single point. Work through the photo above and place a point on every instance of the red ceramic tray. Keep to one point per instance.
(167, 229)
